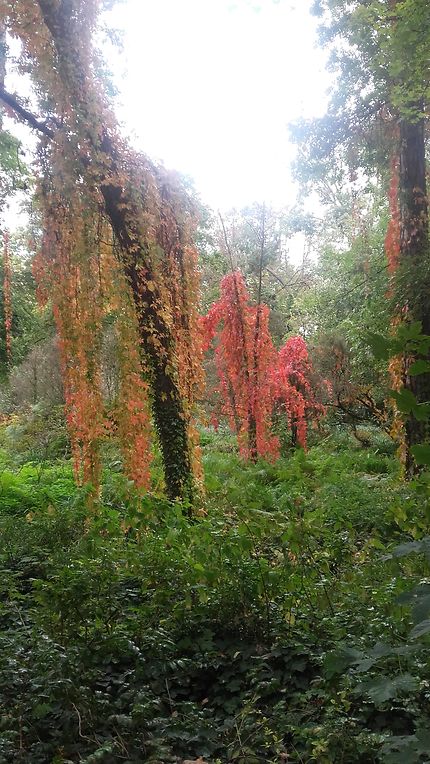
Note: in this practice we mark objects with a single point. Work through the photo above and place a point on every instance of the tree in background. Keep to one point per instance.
(268, 247)
(255, 381)
(244, 355)
(296, 388)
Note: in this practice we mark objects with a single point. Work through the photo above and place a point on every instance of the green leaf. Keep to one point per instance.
(421, 609)
(421, 411)
(336, 662)
(384, 688)
(365, 665)
(421, 629)
(379, 345)
(41, 710)
(405, 400)
(402, 550)
(410, 331)
(419, 367)
(421, 454)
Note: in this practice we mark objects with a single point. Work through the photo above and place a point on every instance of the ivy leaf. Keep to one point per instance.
(421, 454)
(339, 660)
(419, 367)
(421, 629)
(411, 547)
(410, 331)
(379, 345)
(421, 609)
(384, 688)
(405, 400)
(365, 665)
(421, 412)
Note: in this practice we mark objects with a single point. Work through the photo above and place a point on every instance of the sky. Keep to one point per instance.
(209, 87)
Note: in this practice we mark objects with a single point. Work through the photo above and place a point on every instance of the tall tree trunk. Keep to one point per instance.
(2, 64)
(253, 452)
(414, 250)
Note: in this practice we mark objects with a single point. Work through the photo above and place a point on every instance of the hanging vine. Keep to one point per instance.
(397, 366)
(67, 272)
(392, 238)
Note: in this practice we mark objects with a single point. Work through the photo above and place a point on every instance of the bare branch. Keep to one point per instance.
(227, 244)
(24, 115)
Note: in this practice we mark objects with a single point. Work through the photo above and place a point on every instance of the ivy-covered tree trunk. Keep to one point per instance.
(157, 346)
(414, 250)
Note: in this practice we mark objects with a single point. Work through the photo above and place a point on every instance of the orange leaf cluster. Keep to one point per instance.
(132, 409)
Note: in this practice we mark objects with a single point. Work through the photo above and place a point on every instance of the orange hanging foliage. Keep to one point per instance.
(66, 270)
(132, 410)
(132, 406)
(7, 297)
(149, 214)
(397, 367)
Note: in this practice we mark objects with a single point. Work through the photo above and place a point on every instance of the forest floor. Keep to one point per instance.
(275, 628)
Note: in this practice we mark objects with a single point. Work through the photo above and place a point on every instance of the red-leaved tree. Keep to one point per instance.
(244, 354)
(294, 388)
(254, 379)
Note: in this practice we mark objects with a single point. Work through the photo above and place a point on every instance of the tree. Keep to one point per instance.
(255, 381)
(295, 388)
(244, 354)
(89, 169)
(376, 123)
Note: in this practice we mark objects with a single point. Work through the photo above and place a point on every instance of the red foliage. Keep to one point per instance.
(253, 378)
(244, 355)
(294, 389)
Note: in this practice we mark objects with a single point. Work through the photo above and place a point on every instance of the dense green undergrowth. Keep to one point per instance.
(269, 630)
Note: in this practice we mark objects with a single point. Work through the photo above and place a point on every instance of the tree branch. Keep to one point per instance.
(226, 241)
(25, 115)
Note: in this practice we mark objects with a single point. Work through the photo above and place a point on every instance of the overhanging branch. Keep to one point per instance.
(25, 115)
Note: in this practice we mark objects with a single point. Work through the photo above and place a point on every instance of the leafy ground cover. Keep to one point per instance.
(275, 628)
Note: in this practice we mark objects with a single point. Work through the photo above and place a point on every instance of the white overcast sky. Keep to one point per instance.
(209, 86)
